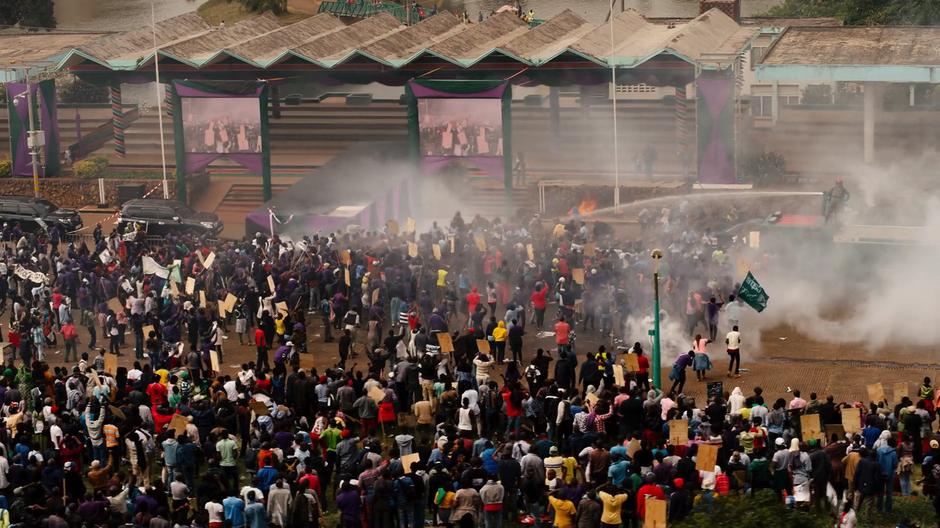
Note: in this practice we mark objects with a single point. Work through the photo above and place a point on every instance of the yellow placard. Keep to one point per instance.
(408, 460)
(178, 424)
(111, 364)
(578, 275)
(707, 457)
(281, 308)
(483, 346)
(810, 427)
(345, 257)
(559, 230)
(678, 432)
(436, 249)
(209, 260)
(190, 285)
(480, 241)
(346, 277)
(377, 395)
(230, 301)
(633, 447)
(590, 249)
(409, 225)
(876, 392)
(591, 399)
(633, 362)
(146, 330)
(271, 284)
(412, 249)
(392, 227)
(655, 515)
(202, 299)
(851, 420)
(174, 290)
(214, 361)
(259, 408)
(452, 242)
(446, 342)
(618, 376)
(530, 251)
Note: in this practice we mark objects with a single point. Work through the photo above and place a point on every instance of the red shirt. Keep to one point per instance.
(312, 481)
(643, 363)
(259, 338)
(647, 489)
(561, 332)
(538, 298)
(473, 299)
(511, 410)
(157, 392)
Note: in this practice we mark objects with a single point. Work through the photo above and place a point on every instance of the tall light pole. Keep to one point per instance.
(34, 138)
(156, 88)
(656, 255)
(613, 89)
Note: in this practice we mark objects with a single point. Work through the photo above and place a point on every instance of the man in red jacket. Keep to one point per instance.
(262, 345)
(538, 299)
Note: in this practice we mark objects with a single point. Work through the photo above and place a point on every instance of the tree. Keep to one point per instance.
(864, 12)
(278, 7)
(27, 13)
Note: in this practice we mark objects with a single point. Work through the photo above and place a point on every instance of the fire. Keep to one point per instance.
(587, 206)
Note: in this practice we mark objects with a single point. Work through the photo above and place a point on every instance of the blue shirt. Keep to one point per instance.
(490, 464)
(234, 509)
(887, 460)
(618, 473)
(870, 434)
(256, 516)
(266, 476)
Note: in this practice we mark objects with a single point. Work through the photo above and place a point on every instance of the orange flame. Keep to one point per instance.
(588, 205)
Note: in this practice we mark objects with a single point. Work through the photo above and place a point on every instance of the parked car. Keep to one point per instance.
(34, 214)
(163, 217)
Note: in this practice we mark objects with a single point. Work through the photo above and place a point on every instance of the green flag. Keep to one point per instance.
(753, 293)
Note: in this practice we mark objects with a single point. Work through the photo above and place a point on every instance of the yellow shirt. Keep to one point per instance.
(571, 470)
(612, 504)
(564, 512)
(442, 278)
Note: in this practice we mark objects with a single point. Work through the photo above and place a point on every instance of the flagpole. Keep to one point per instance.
(156, 88)
(656, 255)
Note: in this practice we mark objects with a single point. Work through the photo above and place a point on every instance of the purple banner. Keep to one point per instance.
(19, 126)
(716, 128)
(423, 91)
(196, 162)
(185, 90)
(491, 165)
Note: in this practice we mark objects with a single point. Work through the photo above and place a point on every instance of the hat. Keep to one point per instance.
(794, 445)
(69, 465)
(779, 441)
(553, 450)
(678, 483)
(95, 464)
(288, 344)
(934, 444)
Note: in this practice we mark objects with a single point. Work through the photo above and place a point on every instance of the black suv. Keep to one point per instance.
(163, 217)
(36, 214)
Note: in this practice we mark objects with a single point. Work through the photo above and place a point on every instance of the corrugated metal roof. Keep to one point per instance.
(326, 41)
(862, 46)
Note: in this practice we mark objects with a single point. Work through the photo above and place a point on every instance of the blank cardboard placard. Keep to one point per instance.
(633, 362)
(707, 457)
(408, 460)
(214, 361)
(117, 412)
(530, 251)
(901, 390)
(410, 225)
(221, 307)
(592, 399)
(412, 249)
(281, 308)
(209, 260)
(346, 277)
(578, 275)
(753, 239)
(230, 301)
(480, 242)
(436, 250)
(111, 364)
(618, 376)
(115, 305)
(375, 295)
(633, 447)
(453, 242)
(377, 394)
(876, 392)
(190, 285)
(678, 432)
(446, 342)
(345, 258)
(558, 230)
(590, 249)
(147, 329)
(174, 289)
(392, 227)
(178, 424)
(259, 408)
(810, 428)
(271, 284)
(851, 420)
(483, 346)
(655, 515)
(833, 429)
(202, 299)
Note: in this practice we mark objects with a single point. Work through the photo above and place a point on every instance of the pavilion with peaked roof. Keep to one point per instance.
(565, 50)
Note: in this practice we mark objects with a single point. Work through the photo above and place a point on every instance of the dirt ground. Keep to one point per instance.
(795, 362)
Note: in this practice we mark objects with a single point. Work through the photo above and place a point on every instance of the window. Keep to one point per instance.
(789, 100)
(641, 88)
(28, 210)
(762, 106)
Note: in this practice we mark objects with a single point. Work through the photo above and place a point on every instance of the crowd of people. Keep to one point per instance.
(459, 390)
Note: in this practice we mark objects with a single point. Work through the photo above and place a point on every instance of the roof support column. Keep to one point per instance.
(870, 111)
(118, 121)
(554, 94)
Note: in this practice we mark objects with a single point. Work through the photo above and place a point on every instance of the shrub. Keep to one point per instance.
(6, 168)
(766, 168)
(91, 168)
(79, 91)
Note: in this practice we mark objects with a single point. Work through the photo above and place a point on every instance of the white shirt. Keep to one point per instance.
(231, 391)
(4, 470)
(464, 422)
(134, 374)
(734, 340)
(216, 512)
(55, 435)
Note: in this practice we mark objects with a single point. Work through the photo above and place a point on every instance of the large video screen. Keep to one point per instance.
(461, 127)
(221, 125)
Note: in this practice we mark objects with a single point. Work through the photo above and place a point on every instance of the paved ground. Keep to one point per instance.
(794, 363)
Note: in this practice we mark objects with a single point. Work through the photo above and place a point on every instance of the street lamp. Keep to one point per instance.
(656, 255)
(35, 139)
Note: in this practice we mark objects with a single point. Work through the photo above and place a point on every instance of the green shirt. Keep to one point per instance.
(331, 436)
(226, 449)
